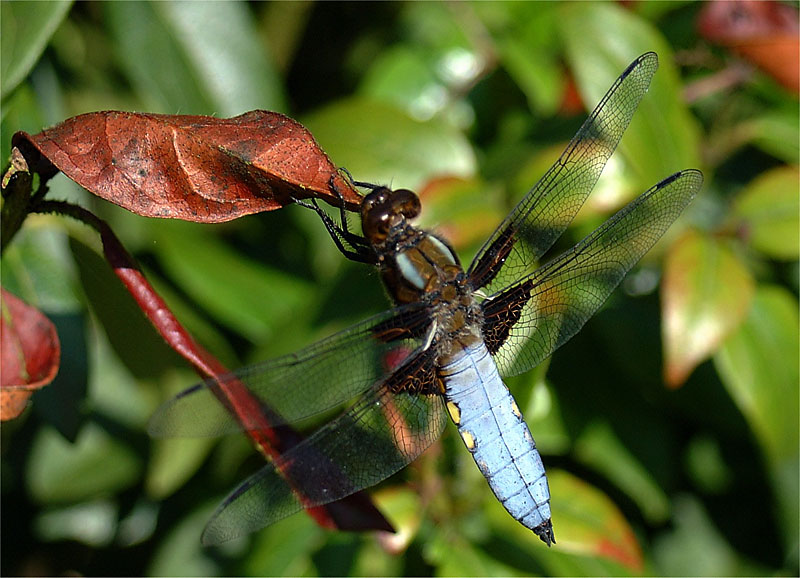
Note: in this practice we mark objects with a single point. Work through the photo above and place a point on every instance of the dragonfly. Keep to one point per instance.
(443, 348)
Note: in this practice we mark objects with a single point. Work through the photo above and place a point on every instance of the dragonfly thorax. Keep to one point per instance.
(419, 267)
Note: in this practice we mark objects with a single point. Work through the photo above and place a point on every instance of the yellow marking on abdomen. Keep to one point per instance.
(469, 440)
(455, 413)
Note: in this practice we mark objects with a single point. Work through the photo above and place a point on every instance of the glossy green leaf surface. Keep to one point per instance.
(592, 525)
(178, 61)
(601, 449)
(769, 213)
(777, 133)
(759, 364)
(759, 367)
(64, 472)
(526, 43)
(401, 151)
(26, 29)
(174, 461)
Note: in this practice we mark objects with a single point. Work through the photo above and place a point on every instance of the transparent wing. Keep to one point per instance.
(296, 386)
(525, 322)
(538, 220)
(375, 438)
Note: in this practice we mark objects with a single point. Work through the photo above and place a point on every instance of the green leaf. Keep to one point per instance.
(759, 366)
(382, 555)
(706, 465)
(180, 552)
(178, 60)
(20, 111)
(26, 29)
(62, 403)
(381, 144)
(114, 392)
(768, 210)
(123, 320)
(224, 63)
(38, 269)
(696, 548)
(663, 137)
(454, 556)
(59, 471)
(285, 548)
(403, 507)
(535, 72)
(92, 523)
(173, 462)
(600, 448)
(404, 77)
(527, 46)
(706, 294)
(777, 133)
(427, 74)
(243, 295)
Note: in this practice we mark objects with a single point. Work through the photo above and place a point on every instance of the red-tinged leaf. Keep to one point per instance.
(356, 512)
(589, 523)
(30, 354)
(768, 212)
(593, 537)
(705, 296)
(195, 168)
(765, 33)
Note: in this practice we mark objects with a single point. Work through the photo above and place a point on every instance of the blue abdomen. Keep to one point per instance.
(494, 431)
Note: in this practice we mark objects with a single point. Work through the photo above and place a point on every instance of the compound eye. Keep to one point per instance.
(375, 224)
(375, 211)
(407, 203)
(374, 201)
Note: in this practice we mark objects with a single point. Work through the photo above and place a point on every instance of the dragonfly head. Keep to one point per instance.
(384, 209)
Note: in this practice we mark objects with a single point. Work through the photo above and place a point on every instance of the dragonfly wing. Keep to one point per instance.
(527, 321)
(376, 437)
(292, 387)
(544, 213)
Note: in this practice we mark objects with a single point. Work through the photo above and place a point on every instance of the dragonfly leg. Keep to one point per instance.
(352, 246)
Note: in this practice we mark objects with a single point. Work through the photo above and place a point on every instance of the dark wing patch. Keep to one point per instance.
(416, 376)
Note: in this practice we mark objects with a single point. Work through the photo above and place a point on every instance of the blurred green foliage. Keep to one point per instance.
(701, 480)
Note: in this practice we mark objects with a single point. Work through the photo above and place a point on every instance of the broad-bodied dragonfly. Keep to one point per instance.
(445, 345)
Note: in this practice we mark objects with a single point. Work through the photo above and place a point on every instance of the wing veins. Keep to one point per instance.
(566, 291)
(539, 219)
(295, 386)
